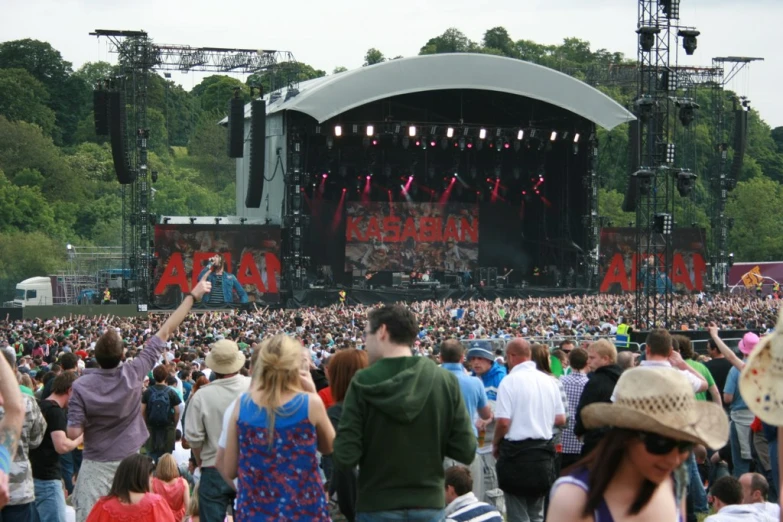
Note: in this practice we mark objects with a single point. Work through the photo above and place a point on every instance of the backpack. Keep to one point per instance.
(159, 407)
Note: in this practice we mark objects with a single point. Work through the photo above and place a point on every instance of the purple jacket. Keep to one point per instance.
(107, 405)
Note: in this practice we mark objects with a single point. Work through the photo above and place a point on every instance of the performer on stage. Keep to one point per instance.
(342, 296)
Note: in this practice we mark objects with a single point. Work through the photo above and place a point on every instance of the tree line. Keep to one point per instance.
(57, 181)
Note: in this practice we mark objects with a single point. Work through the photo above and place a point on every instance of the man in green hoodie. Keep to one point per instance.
(401, 417)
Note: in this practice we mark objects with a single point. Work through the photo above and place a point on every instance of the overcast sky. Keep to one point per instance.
(326, 34)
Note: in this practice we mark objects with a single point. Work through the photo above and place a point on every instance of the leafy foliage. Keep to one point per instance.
(58, 185)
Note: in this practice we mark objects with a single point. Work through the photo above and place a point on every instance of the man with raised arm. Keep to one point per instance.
(106, 406)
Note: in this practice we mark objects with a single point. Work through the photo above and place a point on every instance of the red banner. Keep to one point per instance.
(620, 263)
(251, 252)
(411, 236)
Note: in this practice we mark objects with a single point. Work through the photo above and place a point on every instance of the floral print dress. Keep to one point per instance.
(280, 482)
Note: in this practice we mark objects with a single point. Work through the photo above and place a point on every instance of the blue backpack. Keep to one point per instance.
(159, 414)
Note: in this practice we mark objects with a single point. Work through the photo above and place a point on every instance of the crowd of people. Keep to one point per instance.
(427, 411)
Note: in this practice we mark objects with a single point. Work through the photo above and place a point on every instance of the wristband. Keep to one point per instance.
(193, 296)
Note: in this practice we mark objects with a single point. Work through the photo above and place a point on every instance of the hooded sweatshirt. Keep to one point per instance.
(401, 417)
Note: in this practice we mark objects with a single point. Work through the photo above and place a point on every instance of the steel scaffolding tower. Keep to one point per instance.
(138, 58)
(660, 100)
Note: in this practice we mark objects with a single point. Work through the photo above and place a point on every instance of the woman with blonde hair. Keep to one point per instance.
(279, 426)
(191, 515)
(171, 486)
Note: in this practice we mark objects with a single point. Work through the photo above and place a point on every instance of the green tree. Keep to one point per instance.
(498, 39)
(23, 208)
(373, 56)
(21, 257)
(283, 75)
(93, 72)
(451, 41)
(23, 146)
(69, 94)
(214, 92)
(610, 208)
(24, 98)
(755, 206)
(339, 69)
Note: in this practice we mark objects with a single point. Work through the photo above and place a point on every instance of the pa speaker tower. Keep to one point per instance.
(236, 128)
(740, 142)
(119, 145)
(255, 186)
(101, 111)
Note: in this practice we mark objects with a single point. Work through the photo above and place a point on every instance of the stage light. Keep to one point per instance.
(553, 136)
(482, 134)
(344, 189)
(433, 144)
(686, 181)
(368, 177)
(520, 134)
(647, 37)
(450, 132)
(576, 138)
(370, 130)
(338, 130)
(454, 175)
(689, 40)
(499, 144)
(506, 145)
(470, 145)
(324, 175)
(412, 131)
(663, 224)
(687, 111)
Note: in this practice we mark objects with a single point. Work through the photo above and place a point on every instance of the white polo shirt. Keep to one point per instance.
(531, 399)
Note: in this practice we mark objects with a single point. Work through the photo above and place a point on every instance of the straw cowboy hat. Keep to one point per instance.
(661, 401)
(224, 357)
(761, 383)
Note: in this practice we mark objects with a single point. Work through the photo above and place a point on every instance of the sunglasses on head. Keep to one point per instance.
(659, 445)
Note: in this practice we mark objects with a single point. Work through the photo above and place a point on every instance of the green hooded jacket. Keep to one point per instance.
(401, 417)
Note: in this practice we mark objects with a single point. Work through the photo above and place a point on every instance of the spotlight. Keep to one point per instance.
(368, 177)
(370, 130)
(686, 180)
(687, 111)
(192, 220)
(731, 259)
(645, 106)
(647, 37)
(450, 132)
(154, 176)
(218, 220)
(412, 131)
(462, 143)
(521, 134)
(671, 8)
(338, 130)
(553, 136)
(689, 40)
(499, 144)
(324, 175)
(482, 134)
(576, 138)
(663, 224)
(433, 143)
(454, 175)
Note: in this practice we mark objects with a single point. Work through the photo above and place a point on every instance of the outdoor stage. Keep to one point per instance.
(436, 165)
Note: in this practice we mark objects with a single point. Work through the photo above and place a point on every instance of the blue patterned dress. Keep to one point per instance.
(280, 483)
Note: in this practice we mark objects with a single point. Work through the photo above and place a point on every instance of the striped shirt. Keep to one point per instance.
(467, 508)
(216, 294)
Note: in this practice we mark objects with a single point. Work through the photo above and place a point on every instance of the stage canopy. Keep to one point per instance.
(324, 98)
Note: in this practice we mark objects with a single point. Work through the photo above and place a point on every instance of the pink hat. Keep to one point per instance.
(748, 342)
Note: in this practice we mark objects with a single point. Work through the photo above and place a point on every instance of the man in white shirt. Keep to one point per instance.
(727, 500)
(528, 406)
(755, 489)
(659, 353)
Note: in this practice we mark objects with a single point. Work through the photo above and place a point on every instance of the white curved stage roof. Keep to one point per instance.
(327, 97)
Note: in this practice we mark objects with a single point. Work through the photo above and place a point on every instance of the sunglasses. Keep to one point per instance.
(659, 445)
